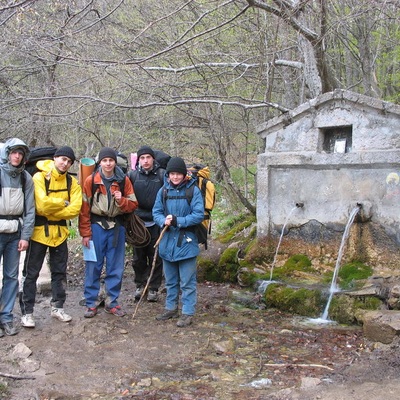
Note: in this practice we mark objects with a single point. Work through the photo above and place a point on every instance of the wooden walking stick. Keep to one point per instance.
(152, 269)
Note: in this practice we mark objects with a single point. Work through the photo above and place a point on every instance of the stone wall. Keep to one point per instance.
(295, 168)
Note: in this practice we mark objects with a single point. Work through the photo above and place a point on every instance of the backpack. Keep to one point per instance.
(122, 161)
(201, 174)
(162, 158)
(36, 154)
(45, 153)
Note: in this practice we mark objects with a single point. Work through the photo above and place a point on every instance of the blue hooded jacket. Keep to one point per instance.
(180, 242)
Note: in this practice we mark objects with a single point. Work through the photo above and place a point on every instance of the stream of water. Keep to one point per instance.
(280, 241)
(333, 288)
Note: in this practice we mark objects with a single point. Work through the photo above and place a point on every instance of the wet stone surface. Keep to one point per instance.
(229, 352)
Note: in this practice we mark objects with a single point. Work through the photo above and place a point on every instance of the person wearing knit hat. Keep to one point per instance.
(58, 200)
(147, 179)
(107, 195)
(65, 151)
(107, 152)
(176, 164)
(179, 246)
(145, 150)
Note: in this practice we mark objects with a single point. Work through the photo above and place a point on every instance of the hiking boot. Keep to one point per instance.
(167, 315)
(139, 292)
(117, 311)
(152, 296)
(184, 320)
(60, 314)
(90, 312)
(9, 328)
(28, 321)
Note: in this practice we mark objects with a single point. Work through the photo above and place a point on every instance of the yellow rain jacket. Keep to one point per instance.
(54, 205)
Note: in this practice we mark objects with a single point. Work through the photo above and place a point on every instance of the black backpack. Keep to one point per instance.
(36, 154)
(45, 153)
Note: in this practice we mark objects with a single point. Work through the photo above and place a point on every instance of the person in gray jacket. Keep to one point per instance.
(17, 220)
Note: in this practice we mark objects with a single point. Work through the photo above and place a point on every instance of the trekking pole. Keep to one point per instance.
(152, 269)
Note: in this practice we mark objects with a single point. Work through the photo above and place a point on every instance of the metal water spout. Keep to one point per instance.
(365, 214)
(299, 205)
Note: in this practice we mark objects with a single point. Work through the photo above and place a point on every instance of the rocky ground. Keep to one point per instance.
(230, 352)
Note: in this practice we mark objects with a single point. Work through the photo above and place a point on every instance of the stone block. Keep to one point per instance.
(381, 326)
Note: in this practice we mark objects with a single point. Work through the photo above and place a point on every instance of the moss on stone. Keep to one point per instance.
(207, 270)
(351, 272)
(296, 263)
(228, 264)
(344, 309)
(300, 301)
(231, 233)
(248, 278)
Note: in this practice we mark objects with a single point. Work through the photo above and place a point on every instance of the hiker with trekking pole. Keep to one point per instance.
(147, 178)
(179, 245)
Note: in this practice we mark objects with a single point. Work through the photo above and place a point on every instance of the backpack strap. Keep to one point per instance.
(95, 187)
(68, 189)
(188, 196)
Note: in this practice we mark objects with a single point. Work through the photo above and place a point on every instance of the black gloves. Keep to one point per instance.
(173, 221)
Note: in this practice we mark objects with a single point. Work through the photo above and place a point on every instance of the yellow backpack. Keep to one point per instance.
(202, 175)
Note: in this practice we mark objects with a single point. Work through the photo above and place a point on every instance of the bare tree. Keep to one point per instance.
(191, 77)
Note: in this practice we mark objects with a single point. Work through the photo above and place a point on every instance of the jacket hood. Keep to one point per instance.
(45, 165)
(12, 144)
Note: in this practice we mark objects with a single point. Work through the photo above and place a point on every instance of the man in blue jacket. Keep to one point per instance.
(179, 246)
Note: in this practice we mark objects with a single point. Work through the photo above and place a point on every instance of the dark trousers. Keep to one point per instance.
(33, 264)
(143, 261)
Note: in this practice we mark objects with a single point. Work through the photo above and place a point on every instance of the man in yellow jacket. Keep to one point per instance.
(58, 199)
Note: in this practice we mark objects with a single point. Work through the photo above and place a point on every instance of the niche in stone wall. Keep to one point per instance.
(337, 139)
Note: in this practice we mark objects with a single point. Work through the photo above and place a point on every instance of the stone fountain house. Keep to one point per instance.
(329, 155)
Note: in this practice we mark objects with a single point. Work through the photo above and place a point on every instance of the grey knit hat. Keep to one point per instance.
(65, 151)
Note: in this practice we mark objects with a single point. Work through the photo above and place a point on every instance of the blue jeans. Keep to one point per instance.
(10, 254)
(114, 256)
(181, 276)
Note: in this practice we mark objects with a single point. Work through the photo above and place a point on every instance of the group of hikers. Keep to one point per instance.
(35, 214)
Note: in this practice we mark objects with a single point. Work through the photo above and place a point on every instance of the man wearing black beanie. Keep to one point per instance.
(58, 199)
(147, 179)
(107, 195)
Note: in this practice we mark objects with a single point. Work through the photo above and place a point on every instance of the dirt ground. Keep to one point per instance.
(230, 352)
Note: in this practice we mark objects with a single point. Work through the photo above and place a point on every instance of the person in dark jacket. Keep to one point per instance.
(147, 179)
(179, 246)
(17, 219)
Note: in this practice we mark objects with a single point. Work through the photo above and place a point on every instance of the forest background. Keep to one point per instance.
(193, 78)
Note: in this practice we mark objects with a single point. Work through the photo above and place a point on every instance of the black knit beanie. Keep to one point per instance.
(107, 152)
(176, 164)
(145, 150)
(65, 151)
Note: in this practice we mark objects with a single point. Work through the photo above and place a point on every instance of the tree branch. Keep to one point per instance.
(251, 106)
